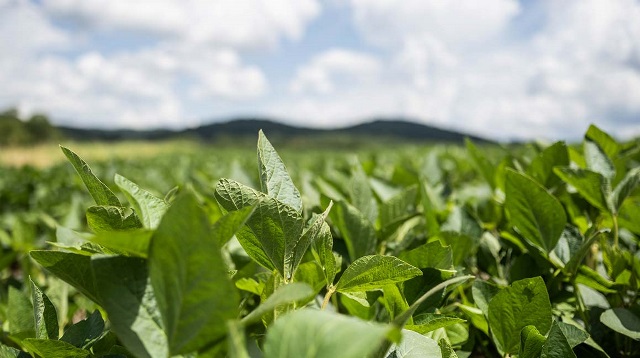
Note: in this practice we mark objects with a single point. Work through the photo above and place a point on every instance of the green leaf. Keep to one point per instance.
(10, 352)
(74, 269)
(427, 322)
(622, 321)
(483, 292)
(430, 206)
(393, 300)
(149, 207)
(541, 168)
(476, 317)
(402, 319)
(132, 242)
(625, 188)
(415, 345)
(291, 293)
(577, 256)
(111, 218)
(86, 332)
(46, 317)
(127, 297)
(557, 345)
(98, 190)
(486, 168)
(274, 228)
(574, 334)
(54, 349)
(531, 342)
(462, 246)
(356, 230)
(524, 303)
(430, 255)
(447, 350)
(20, 314)
(537, 215)
(592, 186)
(309, 236)
(360, 192)
(323, 250)
(227, 226)
(320, 334)
(597, 160)
(181, 285)
(609, 145)
(274, 178)
(375, 271)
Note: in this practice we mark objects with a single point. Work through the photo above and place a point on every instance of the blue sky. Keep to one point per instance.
(503, 69)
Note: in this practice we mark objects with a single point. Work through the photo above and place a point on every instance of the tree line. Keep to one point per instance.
(33, 130)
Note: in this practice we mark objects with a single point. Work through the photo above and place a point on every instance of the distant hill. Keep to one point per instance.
(248, 128)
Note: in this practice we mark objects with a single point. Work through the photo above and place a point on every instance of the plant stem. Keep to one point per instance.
(581, 306)
(327, 297)
(615, 230)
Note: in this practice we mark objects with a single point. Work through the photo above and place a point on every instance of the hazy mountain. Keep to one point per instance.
(387, 129)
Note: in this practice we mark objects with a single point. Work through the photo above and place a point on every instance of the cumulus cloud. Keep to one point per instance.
(235, 23)
(191, 54)
(459, 64)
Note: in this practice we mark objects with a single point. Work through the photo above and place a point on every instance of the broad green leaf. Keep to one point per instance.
(524, 303)
(131, 242)
(128, 298)
(54, 349)
(360, 192)
(74, 269)
(541, 168)
(309, 236)
(430, 206)
(399, 207)
(323, 250)
(577, 256)
(460, 221)
(86, 332)
(609, 145)
(462, 246)
(149, 207)
(557, 345)
(181, 286)
(476, 317)
(432, 254)
(574, 335)
(629, 214)
(622, 321)
(275, 228)
(46, 317)
(393, 300)
(427, 322)
(227, 226)
(531, 342)
(486, 168)
(447, 350)
(592, 186)
(236, 343)
(10, 352)
(310, 333)
(375, 271)
(597, 160)
(111, 218)
(626, 187)
(356, 230)
(415, 345)
(537, 215)
(402, 319)
(98, 190)
(291, 293)
(274, 178)
(20, 314)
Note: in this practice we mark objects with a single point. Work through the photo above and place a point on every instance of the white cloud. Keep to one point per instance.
(336, 68)
(452, 64)
(236, 23)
